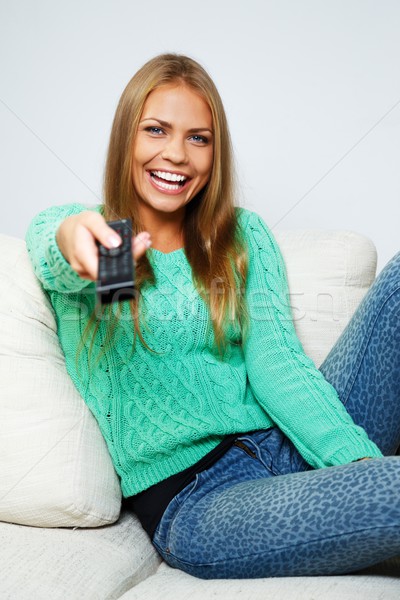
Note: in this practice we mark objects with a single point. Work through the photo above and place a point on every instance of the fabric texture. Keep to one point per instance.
(55, 469)
(377, 583)
(329, 273)
(74, 564)
(161, 412)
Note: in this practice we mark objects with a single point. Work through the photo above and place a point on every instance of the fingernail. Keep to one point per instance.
(114, 241)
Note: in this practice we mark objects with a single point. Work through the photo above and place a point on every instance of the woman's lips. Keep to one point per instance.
(160, 182)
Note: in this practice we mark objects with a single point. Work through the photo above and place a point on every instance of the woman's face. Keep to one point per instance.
(173, 150)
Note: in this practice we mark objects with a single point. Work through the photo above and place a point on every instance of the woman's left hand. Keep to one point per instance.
(140, 244)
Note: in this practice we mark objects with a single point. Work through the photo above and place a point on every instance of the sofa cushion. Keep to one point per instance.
(380, 582)
(329, 273)
(101, 563)
(55, 469)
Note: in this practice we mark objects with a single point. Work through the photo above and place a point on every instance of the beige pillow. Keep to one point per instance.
(329, 273)
(55, 469)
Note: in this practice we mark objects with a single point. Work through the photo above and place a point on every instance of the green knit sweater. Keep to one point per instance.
(160, 412)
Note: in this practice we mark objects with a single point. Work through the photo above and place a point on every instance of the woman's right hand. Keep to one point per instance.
(76, 237)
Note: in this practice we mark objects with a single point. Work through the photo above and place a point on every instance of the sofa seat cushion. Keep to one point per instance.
(381, 582)
(94, 564)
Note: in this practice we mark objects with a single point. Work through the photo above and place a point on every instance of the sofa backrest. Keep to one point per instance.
(329, 272)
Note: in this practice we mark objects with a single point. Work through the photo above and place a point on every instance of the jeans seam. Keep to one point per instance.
(167, 532)
(178, 510)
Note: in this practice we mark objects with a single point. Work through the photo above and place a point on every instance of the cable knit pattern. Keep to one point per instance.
(162, 411)
(49, 264)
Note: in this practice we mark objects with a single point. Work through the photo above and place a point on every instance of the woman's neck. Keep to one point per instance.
(166, 231)
(166, 235)
(167, 241)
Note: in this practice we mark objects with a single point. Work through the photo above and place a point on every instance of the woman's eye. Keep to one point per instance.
(155, 130)
(201, 139)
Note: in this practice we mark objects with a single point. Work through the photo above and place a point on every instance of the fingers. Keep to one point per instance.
(109, 238)
(140, 244)
(85, 261)
(102, 232)
(94, 229)
(77, 236)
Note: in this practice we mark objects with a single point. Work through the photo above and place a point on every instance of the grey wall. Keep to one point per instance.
(311, 88)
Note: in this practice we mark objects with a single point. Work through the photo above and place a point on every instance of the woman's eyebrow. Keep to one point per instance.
(166, 124)
(197, 129)
(163, 123)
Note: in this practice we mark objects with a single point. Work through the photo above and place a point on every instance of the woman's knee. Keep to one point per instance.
(390, 273)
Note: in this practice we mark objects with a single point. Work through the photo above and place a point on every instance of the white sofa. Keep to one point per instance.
(62, 535)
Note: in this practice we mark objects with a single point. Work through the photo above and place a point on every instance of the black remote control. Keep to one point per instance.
(116, 269)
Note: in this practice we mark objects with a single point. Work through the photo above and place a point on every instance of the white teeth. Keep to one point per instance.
(168, 186)
(169, 176)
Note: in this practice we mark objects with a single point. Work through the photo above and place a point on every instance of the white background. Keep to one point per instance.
(311, 89)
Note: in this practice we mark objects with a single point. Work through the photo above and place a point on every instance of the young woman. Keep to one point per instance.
(240, 458)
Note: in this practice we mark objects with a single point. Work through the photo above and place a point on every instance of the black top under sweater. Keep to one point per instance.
(150, 504)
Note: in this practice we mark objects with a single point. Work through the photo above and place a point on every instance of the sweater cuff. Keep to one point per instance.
(366, 449)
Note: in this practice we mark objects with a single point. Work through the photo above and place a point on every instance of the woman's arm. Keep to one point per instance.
(61, 243)
(285, 381)
(49, 263)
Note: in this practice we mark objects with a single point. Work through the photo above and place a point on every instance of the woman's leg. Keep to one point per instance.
(242, 518)
(364, 364)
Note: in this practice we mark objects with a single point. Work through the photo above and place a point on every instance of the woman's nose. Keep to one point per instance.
(175, 151)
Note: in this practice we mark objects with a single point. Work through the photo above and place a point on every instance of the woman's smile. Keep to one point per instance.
(169, 182)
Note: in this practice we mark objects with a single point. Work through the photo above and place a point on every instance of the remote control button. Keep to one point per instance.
(110, 251)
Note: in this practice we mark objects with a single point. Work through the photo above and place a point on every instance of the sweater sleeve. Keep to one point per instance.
(50, 267)
(283, 378)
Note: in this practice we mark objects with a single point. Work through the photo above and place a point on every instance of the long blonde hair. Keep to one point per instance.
(212, 240)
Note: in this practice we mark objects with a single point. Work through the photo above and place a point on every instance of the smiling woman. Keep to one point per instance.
(204, 398)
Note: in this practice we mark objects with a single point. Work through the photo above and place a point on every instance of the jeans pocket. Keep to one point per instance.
(186, 491)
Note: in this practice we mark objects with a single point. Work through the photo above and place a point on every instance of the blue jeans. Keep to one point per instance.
(262, 511)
